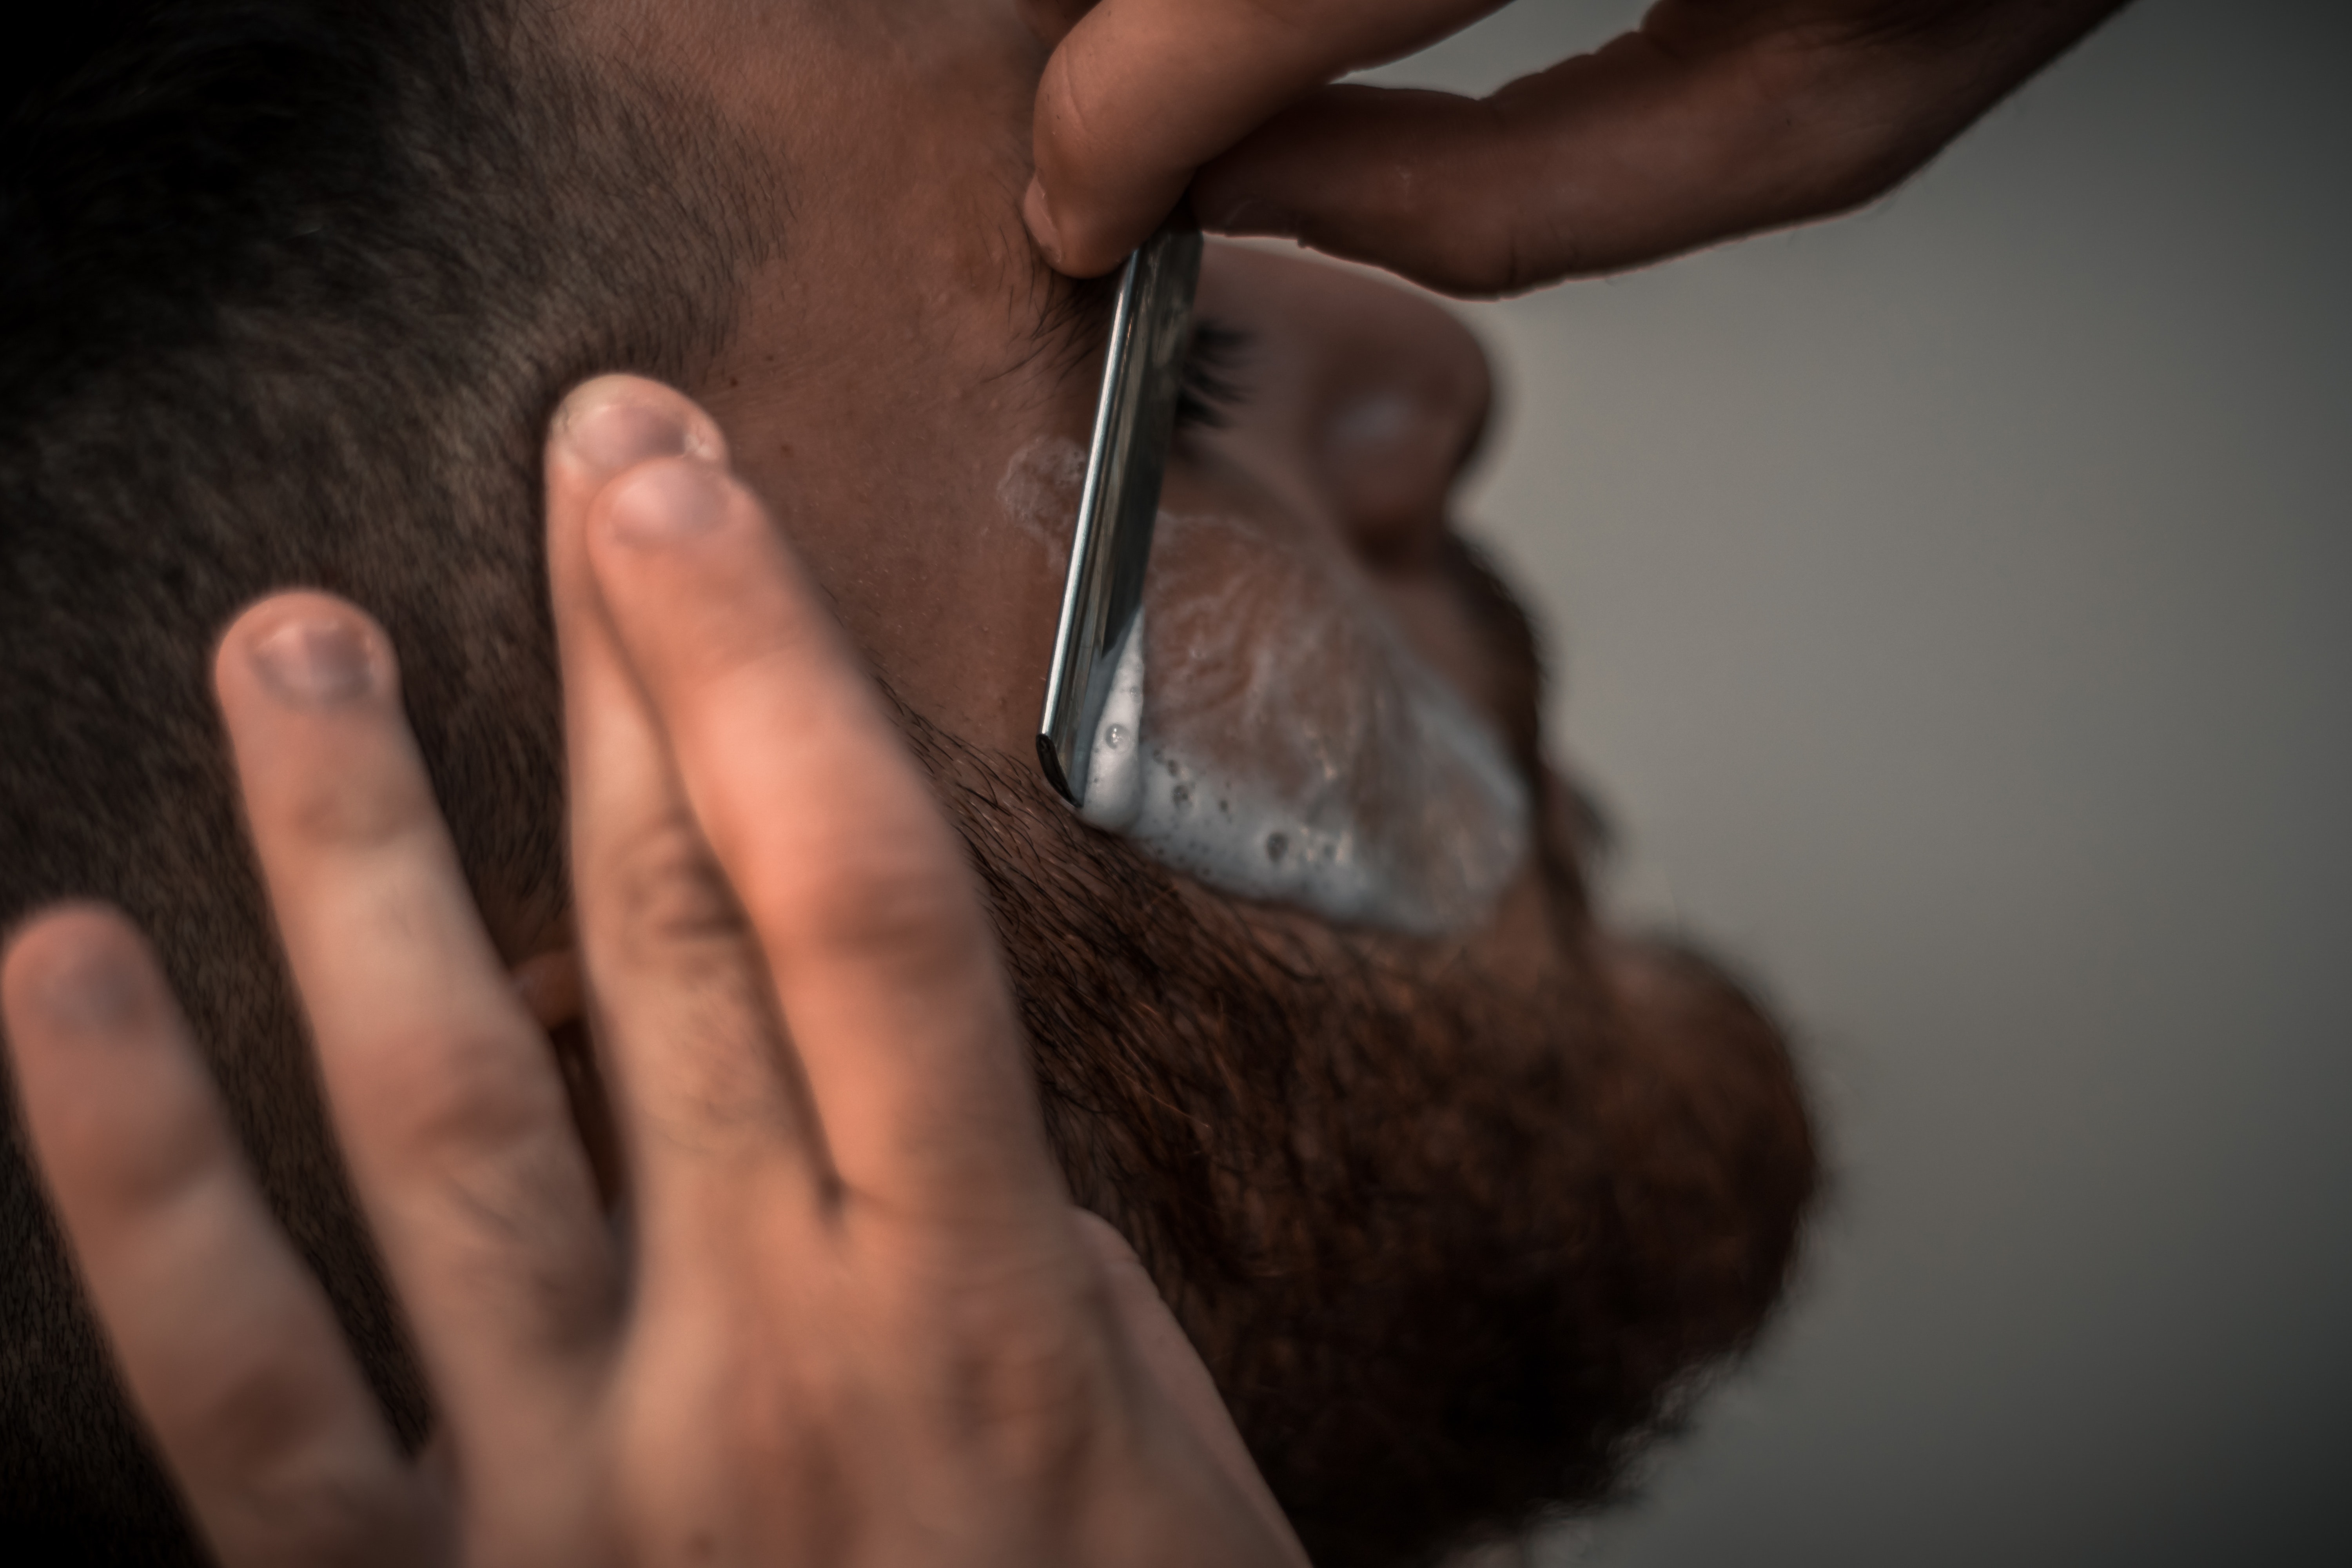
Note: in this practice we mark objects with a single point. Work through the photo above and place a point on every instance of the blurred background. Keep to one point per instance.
(1954, 607)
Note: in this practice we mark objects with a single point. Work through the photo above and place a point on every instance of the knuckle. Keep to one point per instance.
(350, 809)
(265, 1453)
(253, 1418)
(470, 1135)
(1439, 221)
(667, 890)
(896, 902)
(444, 1089)
(314, 1506)
(1472, 250)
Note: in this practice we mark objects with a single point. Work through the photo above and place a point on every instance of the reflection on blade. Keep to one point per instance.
(1151, 334)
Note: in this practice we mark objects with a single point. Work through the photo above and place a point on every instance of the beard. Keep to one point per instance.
(1456, 1233)
(1456, 1230)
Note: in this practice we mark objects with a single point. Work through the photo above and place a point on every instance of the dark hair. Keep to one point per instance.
(288, 288)
(1456, 1237)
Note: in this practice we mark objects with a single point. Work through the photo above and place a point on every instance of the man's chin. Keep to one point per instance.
(1450, 1237)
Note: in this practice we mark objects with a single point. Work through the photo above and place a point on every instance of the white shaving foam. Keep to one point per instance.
(1039, 493)
(1270, 733)
(1114, 789)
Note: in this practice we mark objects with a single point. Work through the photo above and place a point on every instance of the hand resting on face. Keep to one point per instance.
(844, 1312)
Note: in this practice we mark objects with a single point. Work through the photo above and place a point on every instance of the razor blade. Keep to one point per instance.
(1135, 422)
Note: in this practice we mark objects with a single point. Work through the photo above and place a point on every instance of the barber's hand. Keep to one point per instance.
(1715, 118)
(848, 1314)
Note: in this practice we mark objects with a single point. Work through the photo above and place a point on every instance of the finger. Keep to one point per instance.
(711, 1111)
(881, 961)
(227, 1345)
(1142, 92)
(551, 988)
(1602, 163)
(1177, 1371)
(1676, 136)
(449, 1106)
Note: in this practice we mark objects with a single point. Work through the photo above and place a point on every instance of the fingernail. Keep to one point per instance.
(94, 991)
(670, 504)
(1039, 216)
(315, 664)
(613, 436)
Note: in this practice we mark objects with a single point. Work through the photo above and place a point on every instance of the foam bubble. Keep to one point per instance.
(1271, 733)
(1114, 789)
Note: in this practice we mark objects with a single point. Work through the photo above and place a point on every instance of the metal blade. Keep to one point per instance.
(1151, 334)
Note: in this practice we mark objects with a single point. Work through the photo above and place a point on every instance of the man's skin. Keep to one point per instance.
(885, 420)
(852, 1318)
(881, 416)
(916, 377)
(1339, 1154)
(1710, 119)
(919, 374)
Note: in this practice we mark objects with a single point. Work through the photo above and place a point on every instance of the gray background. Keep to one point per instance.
(1955, 605)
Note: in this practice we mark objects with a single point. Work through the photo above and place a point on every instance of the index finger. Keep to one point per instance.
(1142, 92)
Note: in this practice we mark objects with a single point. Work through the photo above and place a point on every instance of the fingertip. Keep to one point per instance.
(606, 431)
(1073, 242)
(118, 1113)
(677, 555)
(78, 974)
(1039, 212)
(614, 423)
(302, 652)
(221, 1339)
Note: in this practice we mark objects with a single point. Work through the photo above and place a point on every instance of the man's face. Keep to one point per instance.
(1448, 1194)
(911, 389)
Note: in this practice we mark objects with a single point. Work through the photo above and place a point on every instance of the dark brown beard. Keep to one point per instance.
(1454, 1235)
(1454, 1241)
